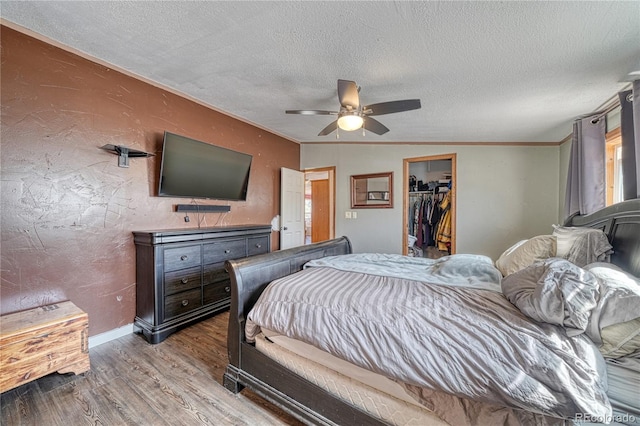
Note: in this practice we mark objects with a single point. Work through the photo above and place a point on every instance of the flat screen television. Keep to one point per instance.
(194, 169)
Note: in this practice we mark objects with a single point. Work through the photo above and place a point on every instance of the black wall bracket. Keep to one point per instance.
(124, 153)
(202, 208)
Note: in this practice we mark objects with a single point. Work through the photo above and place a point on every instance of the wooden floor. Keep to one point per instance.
(175, 382)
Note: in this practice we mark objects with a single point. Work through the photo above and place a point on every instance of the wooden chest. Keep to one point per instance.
(40, 341)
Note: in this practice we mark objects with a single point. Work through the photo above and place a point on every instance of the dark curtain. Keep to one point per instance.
(586, 192)
(630, 131)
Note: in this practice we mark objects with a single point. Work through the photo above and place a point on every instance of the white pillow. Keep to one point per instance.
(616, 318)
(525, 253)
(620, 339)
(565, 237)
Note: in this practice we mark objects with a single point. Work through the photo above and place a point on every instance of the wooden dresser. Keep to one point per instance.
(181, 277)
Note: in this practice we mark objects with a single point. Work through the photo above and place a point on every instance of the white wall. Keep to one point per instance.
(504, 193)
(427, 171)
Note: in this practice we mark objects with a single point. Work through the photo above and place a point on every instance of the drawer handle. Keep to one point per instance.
(227, 289)
(184, 257)
(185, 280)
(258, 245)
(185, 302)
(227, 251)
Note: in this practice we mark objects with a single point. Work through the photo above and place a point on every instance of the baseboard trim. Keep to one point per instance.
(110, 335)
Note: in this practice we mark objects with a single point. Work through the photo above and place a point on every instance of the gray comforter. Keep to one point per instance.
(559, 292)
(467, 342)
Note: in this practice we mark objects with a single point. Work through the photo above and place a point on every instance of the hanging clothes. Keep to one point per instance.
(436, 213)
(414, 219)
(426, 221)
(443, 236)
(419, 233)
(410, 223)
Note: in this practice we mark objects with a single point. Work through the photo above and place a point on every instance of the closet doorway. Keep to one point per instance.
(429, 207)
(319, 204)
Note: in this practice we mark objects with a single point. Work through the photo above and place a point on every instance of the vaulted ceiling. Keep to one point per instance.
(484, 71)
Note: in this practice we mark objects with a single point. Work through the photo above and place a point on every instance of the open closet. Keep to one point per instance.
(429, 207)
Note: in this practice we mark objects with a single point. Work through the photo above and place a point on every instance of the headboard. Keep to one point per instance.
(621, 223)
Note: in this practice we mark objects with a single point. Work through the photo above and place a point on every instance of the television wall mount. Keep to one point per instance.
(124, 153)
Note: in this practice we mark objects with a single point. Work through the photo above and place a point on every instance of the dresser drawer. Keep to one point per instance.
(216, 292)
(257, 245)
(181, 257)
(215, 275)
(181, 280)
(180, 303)
(224, 250)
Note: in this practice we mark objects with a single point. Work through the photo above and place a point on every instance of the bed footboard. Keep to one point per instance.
(252, 369)
(249, 277)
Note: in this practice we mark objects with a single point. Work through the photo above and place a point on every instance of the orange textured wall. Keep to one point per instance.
(68, 210)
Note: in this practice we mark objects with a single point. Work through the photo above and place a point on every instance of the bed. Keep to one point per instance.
(320, 384)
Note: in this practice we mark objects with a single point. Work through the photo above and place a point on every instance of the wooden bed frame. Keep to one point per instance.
(311, 404)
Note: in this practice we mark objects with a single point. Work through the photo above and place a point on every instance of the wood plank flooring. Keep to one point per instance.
(175, 382)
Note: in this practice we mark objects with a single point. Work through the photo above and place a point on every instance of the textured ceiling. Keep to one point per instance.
(484, 71)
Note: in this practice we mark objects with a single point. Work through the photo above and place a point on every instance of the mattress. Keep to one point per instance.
(387, 400)
(371, 392)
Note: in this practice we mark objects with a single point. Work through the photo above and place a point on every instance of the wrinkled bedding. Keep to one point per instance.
(589, 245)
(460, 270)
(559, 292)
(556, 292)
(467, 342)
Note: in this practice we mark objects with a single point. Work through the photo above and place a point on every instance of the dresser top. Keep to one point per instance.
(195, 234)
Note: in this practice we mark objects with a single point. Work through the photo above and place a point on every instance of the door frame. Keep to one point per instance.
(405, 196)
(331, 173)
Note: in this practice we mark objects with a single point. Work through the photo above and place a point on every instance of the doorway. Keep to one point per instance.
(319, 206)
(429, 207)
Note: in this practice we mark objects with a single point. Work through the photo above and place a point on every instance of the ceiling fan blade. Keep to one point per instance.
(391, 107)
(348, 94)
(310, 112)
(330, 128)
(373, 125)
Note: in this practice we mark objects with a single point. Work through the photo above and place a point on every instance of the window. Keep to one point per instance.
(614, 166)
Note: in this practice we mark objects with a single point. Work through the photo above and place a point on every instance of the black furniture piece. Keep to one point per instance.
(181, 277)
(305, 400)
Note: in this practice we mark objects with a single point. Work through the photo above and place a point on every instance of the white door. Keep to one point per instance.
(291, 208)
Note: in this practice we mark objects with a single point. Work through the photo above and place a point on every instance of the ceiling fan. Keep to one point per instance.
(353, 116)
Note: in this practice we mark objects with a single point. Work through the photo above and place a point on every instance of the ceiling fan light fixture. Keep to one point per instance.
(350, 122)
(352, 113)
